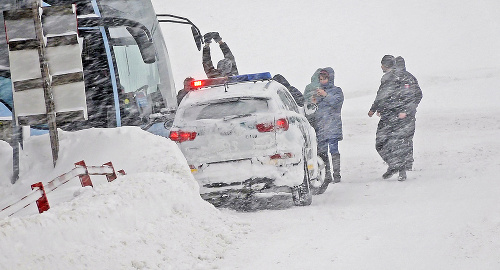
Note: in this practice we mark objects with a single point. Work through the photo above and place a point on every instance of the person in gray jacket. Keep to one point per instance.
(226, 66)
(329, 99)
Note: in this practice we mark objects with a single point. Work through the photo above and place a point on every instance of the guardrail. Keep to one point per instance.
(39, 191)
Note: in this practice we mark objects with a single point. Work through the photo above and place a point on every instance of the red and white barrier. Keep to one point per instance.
(24, 202)
(43, 202)
(39, 191)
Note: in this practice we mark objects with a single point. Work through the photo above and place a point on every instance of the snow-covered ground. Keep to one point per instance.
(445, 216)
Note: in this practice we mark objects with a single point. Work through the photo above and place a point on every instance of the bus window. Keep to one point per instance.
(134, 74)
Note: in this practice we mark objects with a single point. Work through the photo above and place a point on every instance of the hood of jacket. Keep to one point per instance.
(315, 76)
(331, 76)
(400, 64)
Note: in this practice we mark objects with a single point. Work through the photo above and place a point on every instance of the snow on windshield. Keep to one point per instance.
(224, 108)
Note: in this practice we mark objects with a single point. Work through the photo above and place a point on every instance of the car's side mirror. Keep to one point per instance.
(197, 37)
(146, 46)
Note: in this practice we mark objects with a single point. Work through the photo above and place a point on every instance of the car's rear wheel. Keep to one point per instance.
(318, 185)
(302, 194)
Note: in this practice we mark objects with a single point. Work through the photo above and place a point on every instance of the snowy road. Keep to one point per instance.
(445, 216)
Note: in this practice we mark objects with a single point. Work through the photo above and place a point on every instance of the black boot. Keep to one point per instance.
(328, 171)
(402, 175)
(390, 172)
(336, 167)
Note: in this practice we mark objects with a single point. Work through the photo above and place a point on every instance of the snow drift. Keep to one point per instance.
(151, 218)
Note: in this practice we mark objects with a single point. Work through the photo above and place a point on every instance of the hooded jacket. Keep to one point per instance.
(311, 88)
(328, 115)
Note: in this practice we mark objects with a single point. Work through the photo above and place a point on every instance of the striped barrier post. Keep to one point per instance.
(42, 203)
(85, 177)
(111, 176)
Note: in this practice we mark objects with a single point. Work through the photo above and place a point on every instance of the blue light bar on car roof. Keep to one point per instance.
(250, 77)
(233, 79)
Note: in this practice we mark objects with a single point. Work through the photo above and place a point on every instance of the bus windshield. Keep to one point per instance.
(129, 63)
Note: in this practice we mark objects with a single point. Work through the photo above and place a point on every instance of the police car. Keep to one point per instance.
(245, 136)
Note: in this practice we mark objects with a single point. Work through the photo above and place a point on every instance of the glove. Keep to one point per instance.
(216, 36)
(208, 37)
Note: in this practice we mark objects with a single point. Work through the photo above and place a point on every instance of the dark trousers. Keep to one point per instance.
(394, 141)
(331, 144)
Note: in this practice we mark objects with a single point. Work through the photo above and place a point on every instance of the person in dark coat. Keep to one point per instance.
(329, 99)
(185, 90)
(226, 66)
(393, 103)
(296, 94)
(407, 80)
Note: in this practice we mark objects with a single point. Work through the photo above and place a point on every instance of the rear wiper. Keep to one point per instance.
(236, 116)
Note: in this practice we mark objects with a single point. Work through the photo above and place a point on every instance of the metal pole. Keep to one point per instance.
(15, 141)
(47, 89)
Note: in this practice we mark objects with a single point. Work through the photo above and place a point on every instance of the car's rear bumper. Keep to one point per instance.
(252, 173)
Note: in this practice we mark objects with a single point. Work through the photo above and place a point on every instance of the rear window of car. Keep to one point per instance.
(223, 108)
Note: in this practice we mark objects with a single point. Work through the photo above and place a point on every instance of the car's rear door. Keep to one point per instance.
(228, 129)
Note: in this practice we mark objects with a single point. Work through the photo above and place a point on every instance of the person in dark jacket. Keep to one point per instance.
(393, 103)
(329, 99)
(296, 94)
(408, 81)
(185, 90)
(226, 66)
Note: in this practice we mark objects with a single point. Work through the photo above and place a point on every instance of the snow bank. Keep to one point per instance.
(152, 218)
(5, 165)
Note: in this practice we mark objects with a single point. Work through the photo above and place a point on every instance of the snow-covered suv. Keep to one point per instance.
(245, 136)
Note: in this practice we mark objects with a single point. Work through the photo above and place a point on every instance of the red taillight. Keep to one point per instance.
(185, 136)
(281, 124)
(182, 136)
(174, 135)
(265, 127)
(275, 156)
(281, 156)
